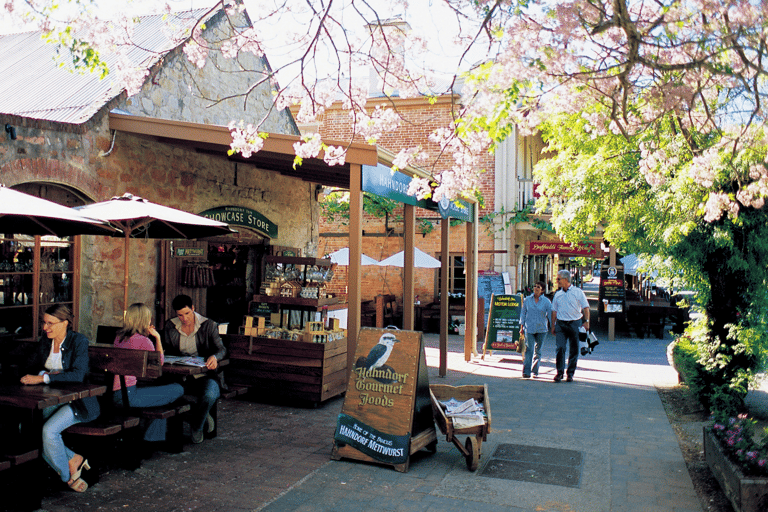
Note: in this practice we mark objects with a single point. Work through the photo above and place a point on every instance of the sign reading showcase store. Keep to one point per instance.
(241, 216)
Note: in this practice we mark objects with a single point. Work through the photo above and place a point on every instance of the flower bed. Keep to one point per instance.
(738, 462)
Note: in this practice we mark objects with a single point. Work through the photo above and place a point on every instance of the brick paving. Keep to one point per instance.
(276, 457)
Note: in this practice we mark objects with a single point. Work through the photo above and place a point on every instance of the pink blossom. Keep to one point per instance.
(246, 140)
(309, 146)
(335, 155)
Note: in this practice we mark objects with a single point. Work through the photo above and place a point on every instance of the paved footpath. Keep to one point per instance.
(275, 458)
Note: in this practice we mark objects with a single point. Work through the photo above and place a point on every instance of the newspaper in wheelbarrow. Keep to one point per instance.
(469, 413)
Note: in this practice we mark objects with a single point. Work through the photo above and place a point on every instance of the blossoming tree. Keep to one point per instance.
(655, 110)
(654, 113)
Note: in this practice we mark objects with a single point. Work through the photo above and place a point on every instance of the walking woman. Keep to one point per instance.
(137, 328)
(62, 357)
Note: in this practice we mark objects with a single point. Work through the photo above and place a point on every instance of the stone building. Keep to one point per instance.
(79, 140)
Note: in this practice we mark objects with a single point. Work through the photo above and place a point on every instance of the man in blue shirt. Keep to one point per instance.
(534, 322)
(569, 306)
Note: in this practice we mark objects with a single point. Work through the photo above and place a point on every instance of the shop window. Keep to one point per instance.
(37, 271)
(457, 280)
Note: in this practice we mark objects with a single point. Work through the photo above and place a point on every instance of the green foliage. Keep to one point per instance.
(79, 53)
(425, 227)
(336, 206)
(510, 218)
(643, 192)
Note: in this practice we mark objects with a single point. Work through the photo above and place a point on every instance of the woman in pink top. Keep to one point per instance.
(137, 327)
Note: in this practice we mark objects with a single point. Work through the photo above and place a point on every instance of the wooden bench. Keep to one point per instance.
(17, 470)
(234, 391)
(380, 312)
(106, 362)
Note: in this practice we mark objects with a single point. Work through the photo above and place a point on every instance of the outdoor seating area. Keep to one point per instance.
(113, 440)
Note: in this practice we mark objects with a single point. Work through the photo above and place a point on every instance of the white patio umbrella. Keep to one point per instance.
(420, 260)
(139, 218)
(30, 215)
(341, 257)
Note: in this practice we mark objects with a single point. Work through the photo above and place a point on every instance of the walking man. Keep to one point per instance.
(569, 306)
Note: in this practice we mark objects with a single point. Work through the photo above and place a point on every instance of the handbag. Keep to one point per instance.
(520, 344)
(587, 341)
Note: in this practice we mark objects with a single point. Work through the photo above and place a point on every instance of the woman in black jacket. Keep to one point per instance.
(62, 357)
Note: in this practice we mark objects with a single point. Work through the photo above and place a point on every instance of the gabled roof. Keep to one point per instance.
(33, 85)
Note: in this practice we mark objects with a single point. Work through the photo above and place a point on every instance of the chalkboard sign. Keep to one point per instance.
(262, 309)
(503, 327)
(488, 285)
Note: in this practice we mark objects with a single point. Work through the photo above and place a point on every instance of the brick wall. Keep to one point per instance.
(419, 120)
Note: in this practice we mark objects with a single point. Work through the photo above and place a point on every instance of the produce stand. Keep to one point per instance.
(471, 448)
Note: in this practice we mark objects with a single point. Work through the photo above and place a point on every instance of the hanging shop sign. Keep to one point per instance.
(380, 180)
(589, 249)
(241, 216)
(503, 327)
(387, 412)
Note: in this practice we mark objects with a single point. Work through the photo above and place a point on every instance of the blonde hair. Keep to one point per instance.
(137, 319)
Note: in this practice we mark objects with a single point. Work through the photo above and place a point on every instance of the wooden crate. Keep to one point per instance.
(309, 371)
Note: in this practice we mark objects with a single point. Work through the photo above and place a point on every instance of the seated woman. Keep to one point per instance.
(137, 327)
(62, 357)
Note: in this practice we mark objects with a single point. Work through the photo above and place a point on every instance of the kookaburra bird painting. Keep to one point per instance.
(380, 352)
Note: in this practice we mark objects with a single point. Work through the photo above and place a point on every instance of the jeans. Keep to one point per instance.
(533, 341)
(207, 391)
(567, 331)
(58, 418)
(152, 396)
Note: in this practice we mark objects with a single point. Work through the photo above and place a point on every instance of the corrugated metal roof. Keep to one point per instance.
(34, 85)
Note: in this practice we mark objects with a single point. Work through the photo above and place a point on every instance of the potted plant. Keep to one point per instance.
(739, 461)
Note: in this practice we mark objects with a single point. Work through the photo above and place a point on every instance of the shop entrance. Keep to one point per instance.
(220, 276)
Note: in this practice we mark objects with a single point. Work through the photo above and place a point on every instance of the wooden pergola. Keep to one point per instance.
(277, 155)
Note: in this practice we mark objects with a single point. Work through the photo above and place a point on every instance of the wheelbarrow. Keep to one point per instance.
(471, 448)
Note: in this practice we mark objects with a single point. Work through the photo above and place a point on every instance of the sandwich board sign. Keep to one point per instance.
(387, 412)
(503, 326)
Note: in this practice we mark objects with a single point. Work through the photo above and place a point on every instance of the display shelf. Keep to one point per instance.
(298, 301)
(314, 372)
(297, 369)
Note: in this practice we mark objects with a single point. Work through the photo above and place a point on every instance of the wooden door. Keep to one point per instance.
(176, 256)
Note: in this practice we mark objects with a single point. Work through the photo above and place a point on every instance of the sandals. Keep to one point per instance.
(78, 485)
(83, 465)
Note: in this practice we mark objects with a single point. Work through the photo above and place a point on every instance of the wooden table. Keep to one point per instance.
(40, 397)
(649, 316)
(22, 410)
(181, 372)
(186, 370)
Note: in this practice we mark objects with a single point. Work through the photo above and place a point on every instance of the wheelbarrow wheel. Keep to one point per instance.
(473, 458)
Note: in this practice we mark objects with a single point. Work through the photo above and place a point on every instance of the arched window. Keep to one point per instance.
(38, 271)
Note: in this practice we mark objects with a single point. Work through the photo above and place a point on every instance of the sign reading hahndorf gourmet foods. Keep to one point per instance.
(387, 412)
(241, 216)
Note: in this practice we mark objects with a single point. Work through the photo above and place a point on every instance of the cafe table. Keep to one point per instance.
(181, 372)
(649, 316)
(186, 370)
(21, 413)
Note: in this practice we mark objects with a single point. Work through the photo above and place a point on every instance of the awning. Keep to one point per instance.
(276, 155)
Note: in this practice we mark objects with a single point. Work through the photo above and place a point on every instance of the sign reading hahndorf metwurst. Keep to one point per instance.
(387, 413)
(242, 216)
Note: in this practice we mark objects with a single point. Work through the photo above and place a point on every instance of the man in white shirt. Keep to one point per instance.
(569, 307)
